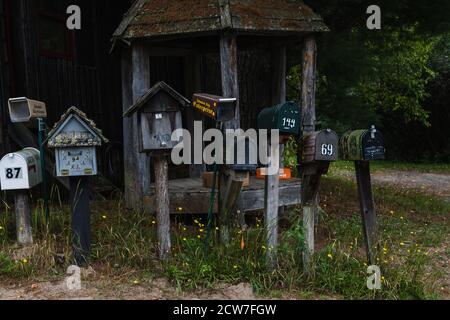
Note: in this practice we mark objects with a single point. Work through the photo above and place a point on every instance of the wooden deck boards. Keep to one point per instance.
(190, 197)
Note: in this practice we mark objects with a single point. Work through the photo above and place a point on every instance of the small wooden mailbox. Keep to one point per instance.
(284, 117)
(75, 139)
(363, 145)
(218, 108)
(20, 170)
(321, 146)
(24, 109)
(159, 115)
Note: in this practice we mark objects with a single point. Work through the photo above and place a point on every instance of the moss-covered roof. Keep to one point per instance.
(58, 139)
(152, 18)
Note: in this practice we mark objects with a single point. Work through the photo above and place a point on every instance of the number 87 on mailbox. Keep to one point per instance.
(20, 170)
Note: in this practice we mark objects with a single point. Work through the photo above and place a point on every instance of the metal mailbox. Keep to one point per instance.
(23, 109)
(321, 146)
(363, 145)
(218, 108)
(159, 115)
(75, 139)
(284, 117)
(20, 170)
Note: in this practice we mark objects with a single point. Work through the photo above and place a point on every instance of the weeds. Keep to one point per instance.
(124, 244)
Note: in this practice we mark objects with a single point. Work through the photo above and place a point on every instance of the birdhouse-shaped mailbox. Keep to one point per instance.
(321, 146)
(20, 170)
(218, 108)
(75, 139)
(284, 117)
(159, 115)
(363, 145)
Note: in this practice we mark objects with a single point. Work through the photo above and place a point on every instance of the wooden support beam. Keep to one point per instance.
(163, 206)
(272, 183)
(23, 223)
(192, 74)
(135, 81)
(230, 182)
(368, 214)
(310, 181)
(229, 72)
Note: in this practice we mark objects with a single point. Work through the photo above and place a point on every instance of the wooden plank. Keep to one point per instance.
(163, 206)
(188, 196)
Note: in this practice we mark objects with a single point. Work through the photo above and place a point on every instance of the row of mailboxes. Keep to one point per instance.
(20, 170)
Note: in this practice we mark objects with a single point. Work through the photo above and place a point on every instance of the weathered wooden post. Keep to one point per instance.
(20, 172)
(308, 103)
(75, 139)
(158, 114)
(363, 146)
(285, 119)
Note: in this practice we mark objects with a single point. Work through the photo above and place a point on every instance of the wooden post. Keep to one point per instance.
(23, 225)
(367, 209)
(230, 182)
(162, 206)
(229, 72)
(272, 183)
(80, 191)
(230, 191)
(308, 93)
(193, 85)
(137, 165)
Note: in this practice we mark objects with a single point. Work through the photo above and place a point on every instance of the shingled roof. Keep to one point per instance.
(152, 18)
(93, 136)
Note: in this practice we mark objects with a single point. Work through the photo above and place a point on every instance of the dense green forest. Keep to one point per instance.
(397, 78)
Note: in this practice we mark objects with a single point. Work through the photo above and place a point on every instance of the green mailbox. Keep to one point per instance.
(284, 117)
(362, 145)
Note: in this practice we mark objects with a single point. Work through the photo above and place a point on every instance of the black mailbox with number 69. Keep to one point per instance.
(284, 117)
(321, 146)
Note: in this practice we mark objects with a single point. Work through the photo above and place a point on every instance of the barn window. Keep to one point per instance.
(55, 40)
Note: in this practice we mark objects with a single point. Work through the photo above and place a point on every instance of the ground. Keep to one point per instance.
(100, 283)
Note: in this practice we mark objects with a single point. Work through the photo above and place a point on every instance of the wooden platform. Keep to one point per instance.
(190, 197)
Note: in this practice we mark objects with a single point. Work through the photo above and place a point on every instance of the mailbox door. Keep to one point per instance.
(373, 146)
(327, 146)
(288, 119)
(157, 128)
(14, 173)
(351, 147)
(77, 161)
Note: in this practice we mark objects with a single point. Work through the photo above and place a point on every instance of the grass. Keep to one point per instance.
(411, 224)
(440, 168)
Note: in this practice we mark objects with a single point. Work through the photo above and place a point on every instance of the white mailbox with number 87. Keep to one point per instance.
(20, 170)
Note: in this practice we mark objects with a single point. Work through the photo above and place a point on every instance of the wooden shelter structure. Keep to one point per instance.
(211, 46)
